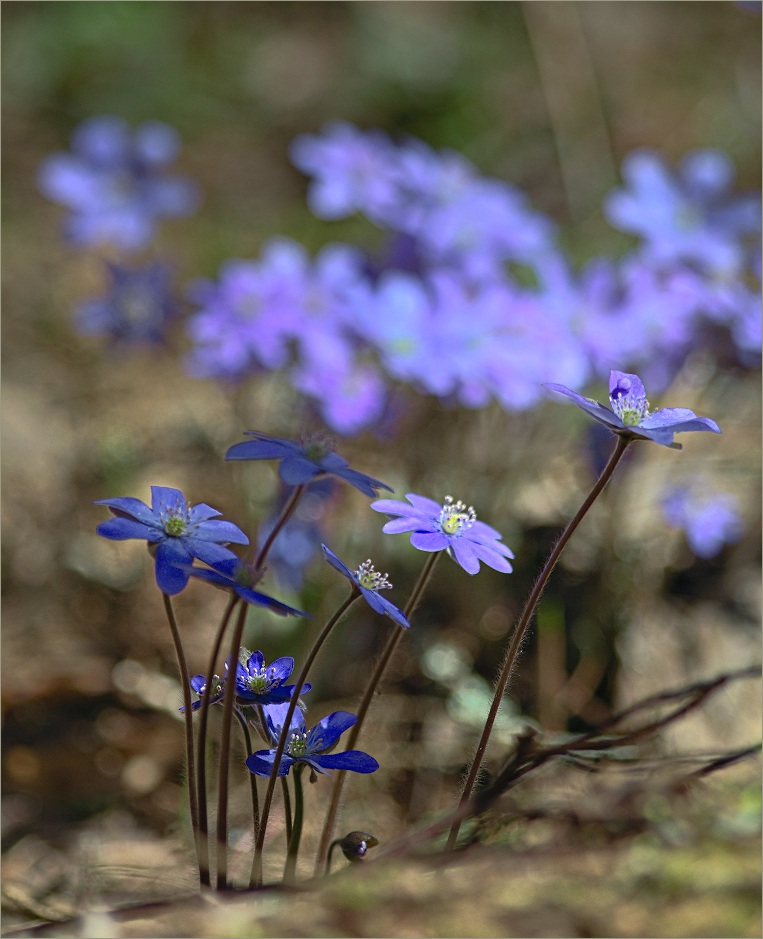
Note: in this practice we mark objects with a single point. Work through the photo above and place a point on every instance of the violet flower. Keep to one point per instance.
(301, 463)
(311, 746)
(450, 527)
(179, 532)
(369, 582)
(630, 415)
(256, 682)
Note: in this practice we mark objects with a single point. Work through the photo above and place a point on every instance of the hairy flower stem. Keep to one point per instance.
(256, 878)
(252, 778)
(188, 720)
(230, 694)
(524, 621)
(296, 833)
(225, 735)
(321, 860)
(202, 743)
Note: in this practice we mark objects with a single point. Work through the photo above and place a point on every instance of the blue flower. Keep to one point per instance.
(301, 463)
(450, 527)
(630, 415)
(710, 520)
(114, 184)
(311, 746)
(137, 307)
(256, 683)
(369, 582)
(233, 574)
(176, 531)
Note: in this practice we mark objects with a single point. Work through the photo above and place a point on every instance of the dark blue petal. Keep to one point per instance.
(261, 763)
(328, 730)
(341, 567)
(296, 470)
(220, 532)
(166, 496)
(262, 448)
(389, 609)
(205, 551)
(170, 577)
(366, 484)
(133, 507)
(124, 529)
(356, 761)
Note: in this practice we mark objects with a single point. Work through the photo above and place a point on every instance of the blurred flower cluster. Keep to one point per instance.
(472, 299)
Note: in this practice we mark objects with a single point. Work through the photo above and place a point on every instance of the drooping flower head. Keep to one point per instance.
(233, 574)
(450, 526)
(299, 463)
(114, 182)
(178, 530)
(369, 582)
(630, 415)
(309, 746)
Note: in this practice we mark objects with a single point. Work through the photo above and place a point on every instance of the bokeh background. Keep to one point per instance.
(548, 96)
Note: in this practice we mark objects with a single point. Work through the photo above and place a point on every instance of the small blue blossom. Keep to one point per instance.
(113, 182)
(233, 574)
(299, 464)
(450, 527)
(311, 746)
(369, 582)
(709, 520)
(176, 531)
(137, 308)
(630, 415)
(256, 682)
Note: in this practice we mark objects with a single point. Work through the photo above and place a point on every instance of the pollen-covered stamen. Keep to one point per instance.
(262, 680)
(297, 745)
(455, 516)
(216, 688)
(630, 408)
(371, 579)
(175, 518)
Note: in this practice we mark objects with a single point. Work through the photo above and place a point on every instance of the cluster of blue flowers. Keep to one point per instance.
(178, 534)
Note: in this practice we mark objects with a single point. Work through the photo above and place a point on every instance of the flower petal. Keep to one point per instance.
(296, 470)
(339, 565)
(429, 541)
(353, 760)
(623, 383)
(134, 507)
(464, 553)
(222, 532)
(123, 529)
(171, 566)
(261, 763)
(328, 730)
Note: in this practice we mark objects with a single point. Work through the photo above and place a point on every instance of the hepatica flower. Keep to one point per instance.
(369, 582)
(630, 415)
(450, 527)
(709, 520)
(256, 682)
(178, 530)
(309, 746)
(114, 182)
(300, 463)
(232, 574)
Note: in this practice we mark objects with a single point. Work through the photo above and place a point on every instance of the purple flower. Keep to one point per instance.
(137, 308)
(685, 216)
(232, 574)
(114, 184)
(451, 526)
(311, 746)
(256, 683)
(176, 531)
(630, 415)
(299, 464)
(710, 520)
(369, 582)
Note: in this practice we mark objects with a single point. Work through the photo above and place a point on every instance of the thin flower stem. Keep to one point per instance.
(225, 734)
(286, 514)
(252, 778)
(291, 857)
(188, 720)
(524, 621)
(256, 877)
(202, 743)
(321, 860)
(230, 693)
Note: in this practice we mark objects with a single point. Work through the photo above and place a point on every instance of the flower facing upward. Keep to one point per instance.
(179, 530)
(630, 415)
(451, 527)
(309, 746)
(369, 582)
(301, 463)
(256, 683)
